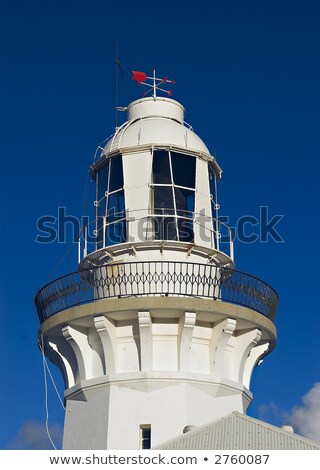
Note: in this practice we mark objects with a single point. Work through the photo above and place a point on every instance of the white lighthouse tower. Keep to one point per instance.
(156, 330)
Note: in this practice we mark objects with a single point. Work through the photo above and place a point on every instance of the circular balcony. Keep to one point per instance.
(156, 278)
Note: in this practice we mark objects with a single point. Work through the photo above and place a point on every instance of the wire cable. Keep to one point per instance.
(50, 375)
(54, 384)
(67, 252)
(124, 81)
(46, 394)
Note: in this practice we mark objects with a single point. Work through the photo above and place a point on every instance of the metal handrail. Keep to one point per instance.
(129, 217)
(156, 278)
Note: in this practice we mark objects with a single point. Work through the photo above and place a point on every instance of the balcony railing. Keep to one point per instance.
(156, 278)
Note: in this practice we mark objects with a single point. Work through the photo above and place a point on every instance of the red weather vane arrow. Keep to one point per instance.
(141, 78)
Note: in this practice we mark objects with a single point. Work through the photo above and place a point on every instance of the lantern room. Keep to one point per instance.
(156, 181)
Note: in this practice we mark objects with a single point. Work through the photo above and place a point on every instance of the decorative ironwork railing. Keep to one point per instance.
(156, 278)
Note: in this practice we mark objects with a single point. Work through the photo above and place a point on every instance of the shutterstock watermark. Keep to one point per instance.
(249, 229)
(163, 224)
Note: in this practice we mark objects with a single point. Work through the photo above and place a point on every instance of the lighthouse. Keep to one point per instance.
(156, 331)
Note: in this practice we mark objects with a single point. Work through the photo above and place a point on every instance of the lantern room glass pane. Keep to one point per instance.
(110, 204)
(163, 200)
(174, 176)
(185, 208)
(184, 199)
(99, 236)
(164, 226)
(161, 167)
(185, 230)
(115, 223)
(116, 176)
(102, 189)
(115, 206)
(115, 233)
(183, 169)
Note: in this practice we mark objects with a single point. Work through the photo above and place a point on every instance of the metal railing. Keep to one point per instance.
(156, 278)
(157, 225)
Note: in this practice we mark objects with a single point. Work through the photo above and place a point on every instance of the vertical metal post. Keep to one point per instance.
(231, 244)
(216, 208)
(85, 251)
(104, 232)
(217, 235)
(154, 83)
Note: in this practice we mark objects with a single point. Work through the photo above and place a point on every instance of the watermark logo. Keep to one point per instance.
(167, 225)
(250, 229)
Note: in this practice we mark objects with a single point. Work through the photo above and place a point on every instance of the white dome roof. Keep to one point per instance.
(155, 121)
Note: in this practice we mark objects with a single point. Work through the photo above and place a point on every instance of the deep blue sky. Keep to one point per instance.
(248, 75)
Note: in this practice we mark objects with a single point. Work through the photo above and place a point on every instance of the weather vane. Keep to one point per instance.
(142, 78)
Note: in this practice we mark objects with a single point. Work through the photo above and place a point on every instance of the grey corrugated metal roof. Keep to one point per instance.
(238, 431)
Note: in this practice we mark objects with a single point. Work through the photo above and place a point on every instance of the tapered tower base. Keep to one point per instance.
(161, 363)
